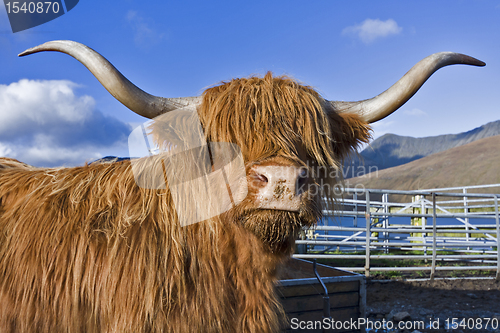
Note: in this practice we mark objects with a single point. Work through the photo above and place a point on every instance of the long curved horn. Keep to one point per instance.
(119, 86)
(379, 107)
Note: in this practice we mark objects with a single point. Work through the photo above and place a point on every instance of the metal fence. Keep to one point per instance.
(455, 225)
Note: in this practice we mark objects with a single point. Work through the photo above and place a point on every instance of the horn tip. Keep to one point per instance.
(476, 62)
(33, 49)
(55, 45)
(27, 52)
(454, 58)
(468, 60)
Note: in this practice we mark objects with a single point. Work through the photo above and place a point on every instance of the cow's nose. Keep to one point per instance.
(278, 187)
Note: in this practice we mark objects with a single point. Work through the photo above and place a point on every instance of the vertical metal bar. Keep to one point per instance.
(385, 223)
(424, 224)
(362, 298)
(355, 197)
(497, 221)
(466, 212)
(413, 210)
(434, 235)
(368, 234)
(355, 222)
(424, 210)
(326, 298)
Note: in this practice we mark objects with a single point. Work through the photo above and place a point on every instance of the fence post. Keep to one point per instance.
(355, 222)
(368, 234)
(434, 235)
(498, 237)
(466, 212)
(385, 223)
(355, 198)
(423, 209)
(414, 210)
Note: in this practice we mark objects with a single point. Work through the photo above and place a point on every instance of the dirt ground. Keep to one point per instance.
(435, 303)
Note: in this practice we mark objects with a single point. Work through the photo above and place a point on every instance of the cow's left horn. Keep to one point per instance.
(118, 85)
(379, 107)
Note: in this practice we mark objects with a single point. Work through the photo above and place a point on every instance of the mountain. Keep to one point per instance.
(475, 163)
(111, 159)
(391, 150)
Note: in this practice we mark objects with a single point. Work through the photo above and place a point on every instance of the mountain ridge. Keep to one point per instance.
(391, 150)
(475, 163)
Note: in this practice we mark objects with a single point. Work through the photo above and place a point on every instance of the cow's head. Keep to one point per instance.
(292, 140)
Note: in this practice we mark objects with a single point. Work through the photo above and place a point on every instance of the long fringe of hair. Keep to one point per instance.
(272, 116)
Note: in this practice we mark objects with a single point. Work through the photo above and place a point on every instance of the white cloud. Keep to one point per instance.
(43, 155)
(415, 112)
(370, 30)
(44, 123)
(41, 103)
(144, 32)
(4, 150)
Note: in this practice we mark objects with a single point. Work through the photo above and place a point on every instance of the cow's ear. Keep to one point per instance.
(348, 132)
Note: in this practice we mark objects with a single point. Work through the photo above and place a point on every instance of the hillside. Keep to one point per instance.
(391, 150)
(475, 163)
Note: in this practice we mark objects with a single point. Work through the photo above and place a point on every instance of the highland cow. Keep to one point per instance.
(86, 249)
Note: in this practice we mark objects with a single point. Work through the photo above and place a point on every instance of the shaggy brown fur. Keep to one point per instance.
(86, 250)
(271, 116)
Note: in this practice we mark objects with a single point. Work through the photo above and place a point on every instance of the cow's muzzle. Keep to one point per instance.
(279, 187)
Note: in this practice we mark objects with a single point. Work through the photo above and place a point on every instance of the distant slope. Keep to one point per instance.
(391, 150)
(111, 159)
(475, 163)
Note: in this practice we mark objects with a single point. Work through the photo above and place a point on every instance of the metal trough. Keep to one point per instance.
(302, 295)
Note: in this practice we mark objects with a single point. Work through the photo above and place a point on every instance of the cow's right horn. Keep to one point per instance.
(379, 107)
(119, 86)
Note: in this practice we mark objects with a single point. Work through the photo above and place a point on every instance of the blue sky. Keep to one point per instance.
(54, 112)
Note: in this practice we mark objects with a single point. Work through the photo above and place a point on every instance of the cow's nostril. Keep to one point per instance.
(259, 180)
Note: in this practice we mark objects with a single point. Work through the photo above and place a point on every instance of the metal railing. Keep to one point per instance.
(439, 225)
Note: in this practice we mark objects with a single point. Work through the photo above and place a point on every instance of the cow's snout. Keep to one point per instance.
(278, 187)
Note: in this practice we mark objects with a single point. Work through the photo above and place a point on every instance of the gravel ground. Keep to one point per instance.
(473, 302)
